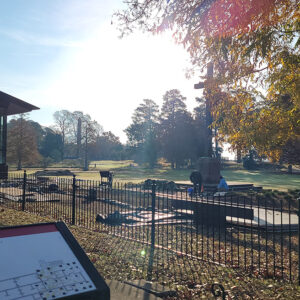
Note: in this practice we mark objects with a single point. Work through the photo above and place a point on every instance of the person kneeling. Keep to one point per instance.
(222, 186)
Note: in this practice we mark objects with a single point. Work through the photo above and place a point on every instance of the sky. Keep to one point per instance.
(67, 55)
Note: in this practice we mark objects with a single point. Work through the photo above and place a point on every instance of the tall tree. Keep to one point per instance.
(142, 133)
(22, 142)
(51, 145)
(177, 134)
(200, 128)
(90, 130)
(77, 130)
(106, 147)
(62, 125)
(291, 152)
(254, 47)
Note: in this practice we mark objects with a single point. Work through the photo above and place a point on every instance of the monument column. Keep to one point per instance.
(209, 166)
(208, 117)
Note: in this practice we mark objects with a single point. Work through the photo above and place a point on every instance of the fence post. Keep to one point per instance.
(24, 191)
(74, 200)
(299, 240)
(150, 263)
(153, 215)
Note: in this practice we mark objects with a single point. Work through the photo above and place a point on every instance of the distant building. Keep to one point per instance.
(9, 105)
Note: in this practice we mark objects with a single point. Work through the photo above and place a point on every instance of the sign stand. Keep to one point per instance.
(43, 262)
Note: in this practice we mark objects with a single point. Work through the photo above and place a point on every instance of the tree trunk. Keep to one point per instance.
(290, 169)
(86, 164)
(78, 149)
(19, 165)
(63, 147)
(238, 155)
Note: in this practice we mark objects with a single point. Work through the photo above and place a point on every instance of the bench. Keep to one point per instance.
(212, 212)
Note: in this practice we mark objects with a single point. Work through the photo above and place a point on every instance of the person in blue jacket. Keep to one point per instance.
(222, 186)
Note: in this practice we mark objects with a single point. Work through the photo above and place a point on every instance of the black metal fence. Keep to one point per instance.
(240, 231)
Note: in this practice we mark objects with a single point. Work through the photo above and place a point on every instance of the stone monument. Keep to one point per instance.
(208, 166)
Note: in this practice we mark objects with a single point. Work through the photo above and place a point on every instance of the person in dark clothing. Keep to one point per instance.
(196, 179)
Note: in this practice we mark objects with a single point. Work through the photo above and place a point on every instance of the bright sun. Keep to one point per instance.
(108, 77)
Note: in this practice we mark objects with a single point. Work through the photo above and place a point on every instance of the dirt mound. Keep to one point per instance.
(54, 173)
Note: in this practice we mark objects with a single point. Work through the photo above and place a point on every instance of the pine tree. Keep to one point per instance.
(142, 133)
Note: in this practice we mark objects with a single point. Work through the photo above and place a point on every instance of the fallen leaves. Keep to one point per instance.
(121, 259)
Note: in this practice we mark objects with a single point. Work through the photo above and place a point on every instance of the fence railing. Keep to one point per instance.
(249, 232)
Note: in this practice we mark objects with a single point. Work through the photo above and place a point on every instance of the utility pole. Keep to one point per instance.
(208, 117)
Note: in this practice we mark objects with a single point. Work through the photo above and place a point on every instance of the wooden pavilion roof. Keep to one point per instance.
(13, 105)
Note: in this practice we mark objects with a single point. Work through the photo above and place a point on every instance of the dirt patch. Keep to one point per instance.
(54, 173)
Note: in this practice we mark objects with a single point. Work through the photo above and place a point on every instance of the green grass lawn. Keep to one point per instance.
(265, 179)
(128, 171)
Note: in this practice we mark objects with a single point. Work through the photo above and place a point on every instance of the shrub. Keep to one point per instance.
(249, 163)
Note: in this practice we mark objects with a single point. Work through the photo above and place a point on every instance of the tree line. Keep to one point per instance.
(74, 138)
(170, 132)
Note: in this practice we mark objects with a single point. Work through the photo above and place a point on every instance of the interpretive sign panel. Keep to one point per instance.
(44, 261)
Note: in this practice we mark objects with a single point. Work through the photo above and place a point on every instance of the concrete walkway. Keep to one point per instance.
(263, 217)
(271, 219)
(136, 290)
